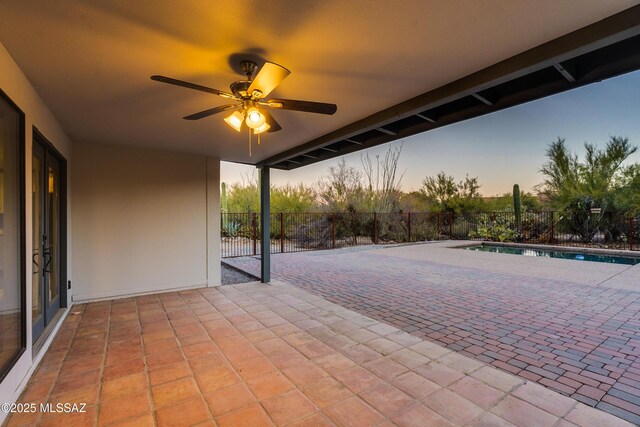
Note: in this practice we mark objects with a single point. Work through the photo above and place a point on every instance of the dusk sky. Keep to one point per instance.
(503, 148)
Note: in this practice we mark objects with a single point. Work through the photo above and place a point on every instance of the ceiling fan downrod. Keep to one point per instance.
(249, 69)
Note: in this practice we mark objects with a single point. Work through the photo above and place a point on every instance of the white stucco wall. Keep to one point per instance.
(213, 222)
(141, 221)
(14, 83)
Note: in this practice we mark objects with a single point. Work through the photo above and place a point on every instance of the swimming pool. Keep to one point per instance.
(578, 256)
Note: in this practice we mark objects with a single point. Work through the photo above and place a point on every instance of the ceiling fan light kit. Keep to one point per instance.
(255, 118)
(235, 120)
(250, 94)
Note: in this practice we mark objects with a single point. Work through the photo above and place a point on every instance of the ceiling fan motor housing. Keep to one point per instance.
(240, 88)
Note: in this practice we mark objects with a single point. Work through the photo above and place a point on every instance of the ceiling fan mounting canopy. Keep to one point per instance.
(248, 68)
(241, 87)
(251, 106)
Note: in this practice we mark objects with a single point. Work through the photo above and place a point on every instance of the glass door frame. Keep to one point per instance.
(38, 213)
(22, 282)
(49, 151)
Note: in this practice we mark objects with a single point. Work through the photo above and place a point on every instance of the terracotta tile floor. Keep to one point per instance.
(254, 355)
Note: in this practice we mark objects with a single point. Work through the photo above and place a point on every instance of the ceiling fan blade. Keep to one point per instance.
(193, 86)
(274, 126)
(269, 76)
(307, 106)
(210, 112)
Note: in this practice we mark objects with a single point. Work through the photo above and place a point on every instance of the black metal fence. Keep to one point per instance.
(295, 232)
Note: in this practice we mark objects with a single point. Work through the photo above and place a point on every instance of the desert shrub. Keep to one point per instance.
(232, 228)
(315, 233)
(578, 221)
(351, 224)
(535, 225)
(392, 228)
(424, 231)
(499, 228)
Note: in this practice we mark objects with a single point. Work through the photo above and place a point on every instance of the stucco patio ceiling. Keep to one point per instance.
(91, 61)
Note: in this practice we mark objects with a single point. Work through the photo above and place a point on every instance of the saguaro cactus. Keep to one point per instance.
(223, 197)
(517, 207)
(223, 206)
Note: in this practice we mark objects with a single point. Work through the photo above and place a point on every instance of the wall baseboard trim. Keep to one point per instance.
(83, 299)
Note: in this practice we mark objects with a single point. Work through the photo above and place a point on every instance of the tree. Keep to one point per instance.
(244, 196)
(414, 201)
(629, 195)
(341, 190)
(589, 192)
(296, 199)
(595, 181)
(382, 192)
(448, 196)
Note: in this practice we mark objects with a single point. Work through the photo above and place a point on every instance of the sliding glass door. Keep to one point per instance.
(46, 237)
(12, 289)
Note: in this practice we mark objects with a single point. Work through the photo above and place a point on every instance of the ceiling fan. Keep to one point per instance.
(251, 106)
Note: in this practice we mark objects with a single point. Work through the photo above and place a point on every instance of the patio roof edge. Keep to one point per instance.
(609, 31)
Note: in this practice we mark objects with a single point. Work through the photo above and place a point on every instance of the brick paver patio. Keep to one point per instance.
(582, 341)
(262, 355)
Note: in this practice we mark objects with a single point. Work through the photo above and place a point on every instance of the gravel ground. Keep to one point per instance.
(231, 276)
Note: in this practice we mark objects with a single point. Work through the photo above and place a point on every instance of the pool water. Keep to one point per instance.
(555, 254)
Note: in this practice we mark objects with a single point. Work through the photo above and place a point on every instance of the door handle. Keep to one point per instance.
(47, 261)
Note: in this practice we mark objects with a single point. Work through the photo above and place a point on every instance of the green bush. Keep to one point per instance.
(496, 229)
(423, 231)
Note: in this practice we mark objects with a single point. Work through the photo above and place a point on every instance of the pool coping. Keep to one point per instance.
(571, 249)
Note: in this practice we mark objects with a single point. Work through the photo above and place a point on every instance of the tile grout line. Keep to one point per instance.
(144, 360)
(104, 361)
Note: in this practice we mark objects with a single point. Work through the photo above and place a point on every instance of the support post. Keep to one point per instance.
(265, 226)
(630, 239)
(552, 239)
(450, 225)
(409, 226)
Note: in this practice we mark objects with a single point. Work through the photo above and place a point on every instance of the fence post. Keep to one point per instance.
(333, 230)
(552, 239)
(281, 232)
(409, 226)
(630, 233)
(451, 225)
(254, 226)
(438, 230)
(375, 228)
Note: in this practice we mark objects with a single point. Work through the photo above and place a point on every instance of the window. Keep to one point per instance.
(12, 307)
